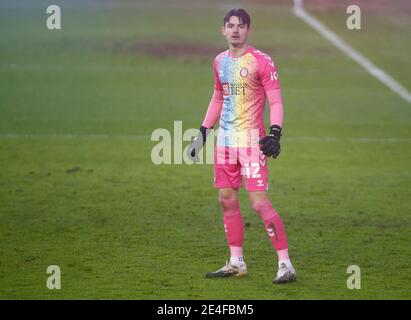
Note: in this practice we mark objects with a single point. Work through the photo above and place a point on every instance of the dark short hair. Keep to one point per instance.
(241, 14)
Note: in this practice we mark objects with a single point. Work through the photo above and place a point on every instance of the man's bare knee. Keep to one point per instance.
(228, 199)
(257, 197)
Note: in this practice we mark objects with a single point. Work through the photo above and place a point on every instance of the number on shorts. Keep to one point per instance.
(252, 170)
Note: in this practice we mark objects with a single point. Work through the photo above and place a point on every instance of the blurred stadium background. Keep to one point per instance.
(78, 188)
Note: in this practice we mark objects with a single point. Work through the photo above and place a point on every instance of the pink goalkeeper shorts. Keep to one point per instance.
(232, 164)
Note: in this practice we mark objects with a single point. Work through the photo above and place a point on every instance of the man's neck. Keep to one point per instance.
(238, 51)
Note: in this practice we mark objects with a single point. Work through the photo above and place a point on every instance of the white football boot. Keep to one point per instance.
(285, 274)
(229, 270)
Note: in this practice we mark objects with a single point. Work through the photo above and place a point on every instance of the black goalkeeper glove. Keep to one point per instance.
(270, 145)
(196, 145)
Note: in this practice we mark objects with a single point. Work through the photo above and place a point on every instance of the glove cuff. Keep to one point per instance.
(204, 133)
(275, 131)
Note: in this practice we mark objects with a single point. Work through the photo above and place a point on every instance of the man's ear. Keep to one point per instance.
(223, 30)
(249, 30)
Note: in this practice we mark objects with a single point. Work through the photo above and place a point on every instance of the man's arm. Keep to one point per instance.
(216, 103)
(275, 101)
(214, 109)
(270, 145)
(211, 117)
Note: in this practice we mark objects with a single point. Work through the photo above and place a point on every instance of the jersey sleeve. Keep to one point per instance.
(214, 109)
(268, 74)
(276, 107)
(269, 79)
(217, 83)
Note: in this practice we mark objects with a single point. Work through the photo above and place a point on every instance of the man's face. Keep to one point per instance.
(235, 32)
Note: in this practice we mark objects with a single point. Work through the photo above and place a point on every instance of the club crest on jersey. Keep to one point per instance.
(244, 72)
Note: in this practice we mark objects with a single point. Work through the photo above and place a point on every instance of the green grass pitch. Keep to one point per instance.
(78, 188)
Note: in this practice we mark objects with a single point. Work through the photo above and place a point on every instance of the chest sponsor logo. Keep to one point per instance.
(226, 89)
(234, 89)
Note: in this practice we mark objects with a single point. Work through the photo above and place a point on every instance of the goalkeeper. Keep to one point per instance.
(244, 78)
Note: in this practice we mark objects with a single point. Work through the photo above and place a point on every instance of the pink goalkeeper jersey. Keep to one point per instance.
(244, 82)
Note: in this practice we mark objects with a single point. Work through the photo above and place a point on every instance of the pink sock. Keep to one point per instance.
(233, 224)
(273, 224)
